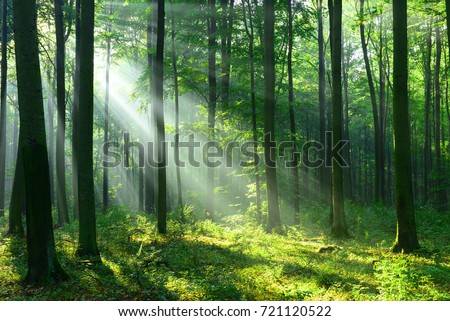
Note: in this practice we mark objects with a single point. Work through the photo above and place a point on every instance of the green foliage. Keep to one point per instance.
(235, 259)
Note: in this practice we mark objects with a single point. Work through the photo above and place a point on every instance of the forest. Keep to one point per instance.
(225, 150)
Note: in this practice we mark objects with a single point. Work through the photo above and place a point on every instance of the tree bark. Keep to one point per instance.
(87, 245)
(61, 196)
(274, 219)
(251, 35)
(3, 107)
(212, 81)
(293, 132)
(158, 94)
(43, 265)
(406, 239)
(427, 145)
(441, 194)
(76, 111)
(106, 111)
(339, 227)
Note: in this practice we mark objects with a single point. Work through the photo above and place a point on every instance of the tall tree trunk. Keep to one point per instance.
(61, 197)
(150, 171)
(212, 81)
(381, 121)
(348, 171)
(293, 131)
(106, 110)
(441, 194)
(177, 118)
(76, 112)
(158, 94)
(251, 35)
(427, 145)
(274, 219)
(226, 26)
(339, 227)
(373, 100)
(87, 232)
(3, 84)
(51, 133)
(406, 239)
(324, 186)
(43, 264)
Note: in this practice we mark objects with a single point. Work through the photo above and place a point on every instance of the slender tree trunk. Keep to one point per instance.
(250, 33)
(43, 264)
(381, 121)
(177, 118)
(373, 100)
(274, 219)
(61, 197)
(347, 171)
(150, 171)
(212, 81)
(293, 131)
(106, 111)
(324, 186)
(441, 194)
(339, 227)
(76, 112)
(406, 239)
(51, 133)
(158, 94)
(4, 75)
(87, 232)
(427, 145)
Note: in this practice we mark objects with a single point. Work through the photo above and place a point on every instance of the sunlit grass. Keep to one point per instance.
(236, 260)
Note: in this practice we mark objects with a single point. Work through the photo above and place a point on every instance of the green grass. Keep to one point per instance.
(235, 259)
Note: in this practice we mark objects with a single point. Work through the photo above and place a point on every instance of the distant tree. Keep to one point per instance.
(106, 108)
(177, 115)
(427, 145)
(406, 239)
(274, 219)
(43, 264)
(212, 82)
(87, 232)
(293, 131)
(251, 36)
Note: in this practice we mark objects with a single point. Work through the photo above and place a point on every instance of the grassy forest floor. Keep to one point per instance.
(236, 260)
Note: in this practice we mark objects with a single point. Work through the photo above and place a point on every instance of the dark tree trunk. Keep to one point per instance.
(106, 111)
(177, 117)
(251, 35)
(373, 100)
(441, 194)
(324, 185)
(150, 172)
(76, 112)
(87, 232)
(293, 131)
(17, 204)
(212, 81)
(158, 94)
(274, 219)
(4, 75)
(406, 239)
(43, 265)
(61, 197)
(51, 133)
(427, 145)
(339, 227)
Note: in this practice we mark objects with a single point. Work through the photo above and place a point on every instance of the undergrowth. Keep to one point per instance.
(235, 259)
